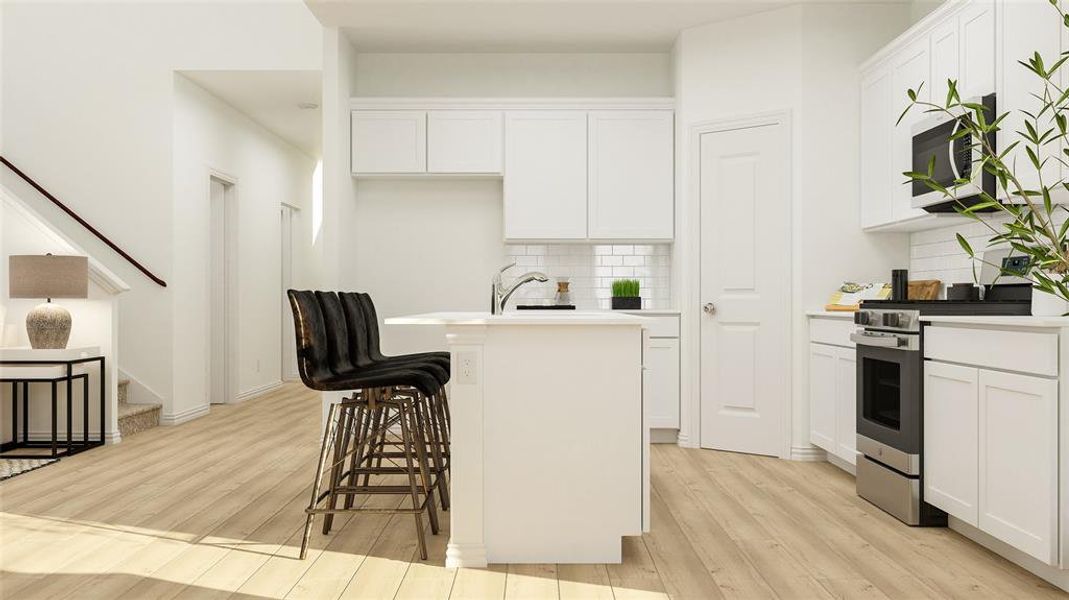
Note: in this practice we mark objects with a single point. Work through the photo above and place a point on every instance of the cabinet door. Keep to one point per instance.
(1019, 461)
(545, 174)
(662, 379)
(846, 404)
(950, 439)
(877, 126)
(976, 36)
(1025, 27)
(911, 69)
(631, 175)
(392, 141)
(464, 141)
(946, 63)
(822, 396)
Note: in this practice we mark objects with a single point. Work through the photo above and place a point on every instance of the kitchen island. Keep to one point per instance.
(549, 454)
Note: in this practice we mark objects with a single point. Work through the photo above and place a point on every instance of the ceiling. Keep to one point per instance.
(524, 25)
(272, 99)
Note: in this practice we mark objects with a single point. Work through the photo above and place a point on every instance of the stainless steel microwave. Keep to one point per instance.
(955, 159)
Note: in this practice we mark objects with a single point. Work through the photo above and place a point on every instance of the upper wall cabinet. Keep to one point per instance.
(545, 174)
(957, 41)
(389, 141)
(464, 141)
(631, 175)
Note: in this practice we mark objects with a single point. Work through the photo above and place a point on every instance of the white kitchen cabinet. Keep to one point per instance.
(846, 405)
(877, 122)
(1024, 27)
(833, 388)
(946, 65)
(388, 141)
(1018, 461)
(662, 382)
(545, 185)
(464, 141)
(976, 36)
(822, 396)
(911, 69)
(631, 175)
(951, 446)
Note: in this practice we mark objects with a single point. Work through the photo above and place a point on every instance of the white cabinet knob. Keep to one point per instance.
(709, 308)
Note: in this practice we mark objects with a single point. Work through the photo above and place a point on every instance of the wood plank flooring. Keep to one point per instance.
(214, 509)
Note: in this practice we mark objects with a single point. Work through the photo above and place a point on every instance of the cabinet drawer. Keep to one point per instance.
(661, 326)
(1022, 351)
(831, 331)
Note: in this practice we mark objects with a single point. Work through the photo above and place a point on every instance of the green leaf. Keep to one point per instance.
(965, 245)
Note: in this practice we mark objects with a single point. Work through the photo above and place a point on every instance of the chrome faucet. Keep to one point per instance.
(500, 295)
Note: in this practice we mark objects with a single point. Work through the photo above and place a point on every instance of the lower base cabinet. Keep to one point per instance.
(991, 453)
(833, 400)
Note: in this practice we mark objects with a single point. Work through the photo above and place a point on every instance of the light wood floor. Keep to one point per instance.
(213, 508)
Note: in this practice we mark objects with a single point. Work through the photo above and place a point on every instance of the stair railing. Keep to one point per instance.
(82, 222)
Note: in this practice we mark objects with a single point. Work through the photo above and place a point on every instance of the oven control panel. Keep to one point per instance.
(891, 320)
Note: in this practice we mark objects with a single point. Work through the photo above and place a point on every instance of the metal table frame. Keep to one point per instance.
(71, 446)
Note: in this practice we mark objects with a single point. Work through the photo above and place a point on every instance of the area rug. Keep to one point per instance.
(10, 467)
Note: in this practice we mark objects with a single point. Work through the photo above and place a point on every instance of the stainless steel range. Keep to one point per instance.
(890, 395)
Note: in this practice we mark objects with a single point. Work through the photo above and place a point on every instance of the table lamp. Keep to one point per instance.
(32, 276)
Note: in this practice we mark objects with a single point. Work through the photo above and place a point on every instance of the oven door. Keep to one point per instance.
(889, 391)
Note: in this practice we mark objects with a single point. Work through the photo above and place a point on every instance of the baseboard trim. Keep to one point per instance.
(842, 464)
(184, 416)
(808, 454)
(664, 435)
(258, 391)
(1050, 574)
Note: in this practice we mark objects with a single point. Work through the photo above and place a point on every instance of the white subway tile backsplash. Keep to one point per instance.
(591, 269)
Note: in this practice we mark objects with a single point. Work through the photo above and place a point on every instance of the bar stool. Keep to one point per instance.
(380, 397)
(360, 314)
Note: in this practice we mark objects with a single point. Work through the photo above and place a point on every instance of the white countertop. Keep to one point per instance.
(832, 314)
(1003, 321)
(526, 317)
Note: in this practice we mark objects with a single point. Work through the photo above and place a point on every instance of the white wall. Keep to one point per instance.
(803, 59)
(212, 136)
(90, 115)
(524, 75)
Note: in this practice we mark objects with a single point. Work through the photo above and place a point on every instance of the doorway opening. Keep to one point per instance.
(222, 283)
(288, 216)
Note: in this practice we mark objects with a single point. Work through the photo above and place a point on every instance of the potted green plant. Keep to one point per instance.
(625, 295)
(1032, 223)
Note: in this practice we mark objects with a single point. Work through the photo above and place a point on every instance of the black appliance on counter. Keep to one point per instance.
(890, 394)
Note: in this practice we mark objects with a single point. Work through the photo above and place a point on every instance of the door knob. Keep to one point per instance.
(709, 308)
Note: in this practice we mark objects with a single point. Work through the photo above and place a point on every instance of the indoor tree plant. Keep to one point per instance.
(625, 295)
(1034, 224)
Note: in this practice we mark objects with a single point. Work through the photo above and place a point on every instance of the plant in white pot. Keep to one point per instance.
(1033, 223)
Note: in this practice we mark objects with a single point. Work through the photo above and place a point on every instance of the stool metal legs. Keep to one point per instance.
(357, 439)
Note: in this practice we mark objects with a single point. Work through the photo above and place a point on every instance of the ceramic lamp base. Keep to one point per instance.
(49, 327)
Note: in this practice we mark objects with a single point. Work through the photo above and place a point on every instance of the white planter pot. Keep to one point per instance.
(1048, 305)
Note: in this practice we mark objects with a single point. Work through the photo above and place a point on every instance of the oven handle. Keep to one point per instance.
(880, 341)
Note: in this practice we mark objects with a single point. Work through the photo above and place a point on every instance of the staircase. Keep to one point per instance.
(135, 418)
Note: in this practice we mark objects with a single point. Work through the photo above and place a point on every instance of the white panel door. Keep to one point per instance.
(389, 141)
(946, 62)
(745, 283)
(631, 174)
(464, 141)
(877, 125)
(545, 174)
(976, 34)
(1027, 26)
(822, 396)
(1019, 461)
(662, 381)
(846, 404)
(951, 428)
(911, 68)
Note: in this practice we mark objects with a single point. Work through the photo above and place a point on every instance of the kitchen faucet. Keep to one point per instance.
(499, 295)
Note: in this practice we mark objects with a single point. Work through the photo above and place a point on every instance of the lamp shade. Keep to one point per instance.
(48, 276)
